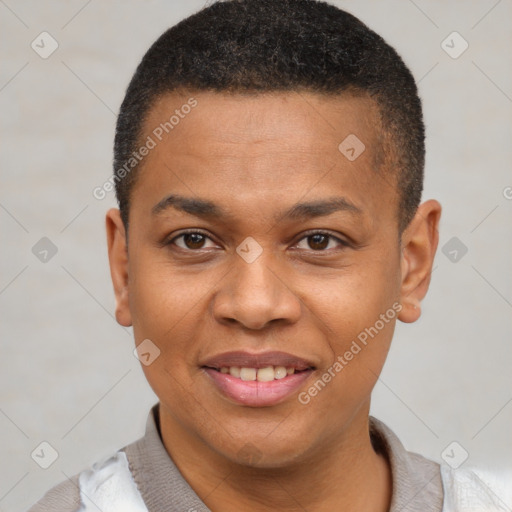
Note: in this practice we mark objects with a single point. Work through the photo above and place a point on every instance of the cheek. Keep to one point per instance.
(359, 341)
(161, 296)
(357, 313)
(359, 322)
(356, 298)
(165, 305)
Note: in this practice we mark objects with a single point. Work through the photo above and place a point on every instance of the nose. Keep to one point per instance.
(254, 295)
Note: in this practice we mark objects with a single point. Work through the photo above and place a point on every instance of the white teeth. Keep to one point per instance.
(248, 373)
(234, 371)
(266, 374)
(280, 372)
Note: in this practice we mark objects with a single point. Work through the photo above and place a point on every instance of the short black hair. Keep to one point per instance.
(258, 46)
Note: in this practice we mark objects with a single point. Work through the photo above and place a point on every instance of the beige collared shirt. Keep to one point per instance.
(417, 483)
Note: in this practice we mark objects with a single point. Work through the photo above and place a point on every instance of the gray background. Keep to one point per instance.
(68, 374)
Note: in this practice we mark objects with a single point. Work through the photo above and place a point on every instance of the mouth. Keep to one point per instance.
(265, 374)
(257, 380)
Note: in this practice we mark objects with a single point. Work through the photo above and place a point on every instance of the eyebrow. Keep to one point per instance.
(208, 209)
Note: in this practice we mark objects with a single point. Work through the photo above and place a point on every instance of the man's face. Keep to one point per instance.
(297, 254)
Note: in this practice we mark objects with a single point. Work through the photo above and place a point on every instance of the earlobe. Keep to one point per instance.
(411, 311)
(419, 244)
(118, 258)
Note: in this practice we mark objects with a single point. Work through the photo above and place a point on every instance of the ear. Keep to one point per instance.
(419, 244)
(118, 258)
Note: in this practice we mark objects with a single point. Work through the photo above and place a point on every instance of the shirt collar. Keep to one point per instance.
(416, 480)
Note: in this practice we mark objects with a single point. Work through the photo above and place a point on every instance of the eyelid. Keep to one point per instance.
(341, 241)
(168, 240)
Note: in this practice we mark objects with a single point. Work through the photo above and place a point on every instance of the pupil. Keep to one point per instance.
(318, 241)
(194, 240)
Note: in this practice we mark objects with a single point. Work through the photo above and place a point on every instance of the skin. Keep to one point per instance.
(255, 157)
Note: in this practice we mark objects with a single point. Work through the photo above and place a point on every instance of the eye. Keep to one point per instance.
(320, 241)
(192, 240)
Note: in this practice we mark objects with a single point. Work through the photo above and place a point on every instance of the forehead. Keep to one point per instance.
(270, 147)
(294, 120)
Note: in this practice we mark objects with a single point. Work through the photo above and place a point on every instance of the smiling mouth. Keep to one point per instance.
(257, 379)
(265, 374)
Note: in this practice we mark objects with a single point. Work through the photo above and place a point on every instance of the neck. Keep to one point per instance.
(344, 473)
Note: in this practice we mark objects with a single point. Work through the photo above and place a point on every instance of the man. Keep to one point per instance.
(268, 165)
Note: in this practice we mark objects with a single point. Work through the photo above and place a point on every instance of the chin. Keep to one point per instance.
(263, 452)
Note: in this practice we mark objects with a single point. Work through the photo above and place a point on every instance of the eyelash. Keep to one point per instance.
(306, 235)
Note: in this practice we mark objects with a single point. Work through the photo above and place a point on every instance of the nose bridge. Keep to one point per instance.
(254, 295)
(256, 282)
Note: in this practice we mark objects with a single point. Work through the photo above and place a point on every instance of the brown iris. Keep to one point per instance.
(193, 240)
(318, 241)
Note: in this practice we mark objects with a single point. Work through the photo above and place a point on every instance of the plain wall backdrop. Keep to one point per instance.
(68, 373)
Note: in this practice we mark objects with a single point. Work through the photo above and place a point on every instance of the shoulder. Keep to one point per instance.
(108, 484)
(64, 497)
(466, 491)
(111, 478)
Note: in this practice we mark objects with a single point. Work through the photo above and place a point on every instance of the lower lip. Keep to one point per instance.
(258, 394)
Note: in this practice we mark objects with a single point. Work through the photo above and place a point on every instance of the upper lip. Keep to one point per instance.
(257, 360)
